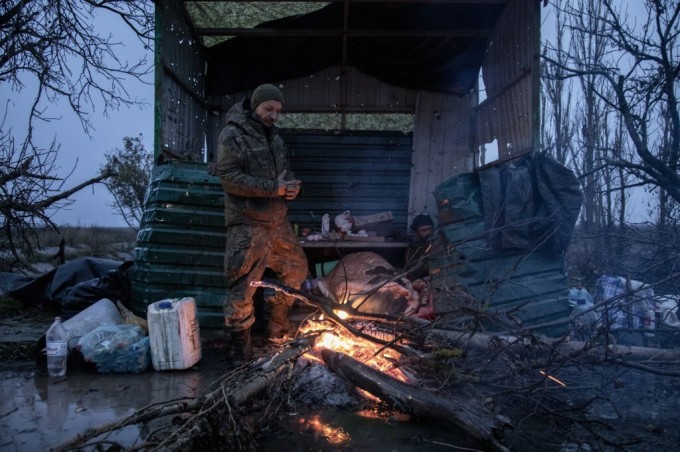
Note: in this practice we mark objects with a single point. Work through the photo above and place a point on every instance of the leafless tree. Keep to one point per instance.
(54, 48)
(624, 69)
(557, 100)
(634, 73)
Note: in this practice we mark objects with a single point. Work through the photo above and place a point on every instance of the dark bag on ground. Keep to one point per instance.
(114, 285)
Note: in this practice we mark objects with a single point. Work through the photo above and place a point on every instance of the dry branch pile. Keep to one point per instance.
(404, 362)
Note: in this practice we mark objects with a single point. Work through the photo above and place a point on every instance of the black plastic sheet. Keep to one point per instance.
(532, 202)
(77, 283)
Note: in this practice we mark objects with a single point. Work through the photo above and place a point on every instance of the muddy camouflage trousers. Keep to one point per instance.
(249, 252)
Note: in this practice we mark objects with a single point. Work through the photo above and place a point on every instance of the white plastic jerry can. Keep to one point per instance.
(174, 334)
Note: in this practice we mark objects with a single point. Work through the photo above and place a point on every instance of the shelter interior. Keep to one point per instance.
(385, 100)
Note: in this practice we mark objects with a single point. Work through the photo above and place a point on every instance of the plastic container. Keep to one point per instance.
(174, 334)
(325, 225)
(56, 345)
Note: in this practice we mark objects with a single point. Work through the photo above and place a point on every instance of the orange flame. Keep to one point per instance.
(358, 348)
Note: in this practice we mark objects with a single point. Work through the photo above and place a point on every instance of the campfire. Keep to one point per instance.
(331, 337)
(368, 350)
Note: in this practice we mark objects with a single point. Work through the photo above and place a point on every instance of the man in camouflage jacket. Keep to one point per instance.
(253, 167)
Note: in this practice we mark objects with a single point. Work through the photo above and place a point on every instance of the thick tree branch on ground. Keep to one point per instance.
(468, 414)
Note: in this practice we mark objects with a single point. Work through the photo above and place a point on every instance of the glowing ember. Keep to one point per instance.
(341, 314)
(333, 435)
(550, 377)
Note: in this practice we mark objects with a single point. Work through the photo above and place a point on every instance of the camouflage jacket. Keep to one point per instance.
(250, 157)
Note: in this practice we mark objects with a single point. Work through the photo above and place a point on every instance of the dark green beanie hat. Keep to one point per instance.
(264, 93)
(421, 220)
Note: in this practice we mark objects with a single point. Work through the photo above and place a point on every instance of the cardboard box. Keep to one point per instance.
(363, 238)
(366, 221)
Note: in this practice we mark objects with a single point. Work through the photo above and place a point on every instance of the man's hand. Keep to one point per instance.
(289, 189)
(292, 190)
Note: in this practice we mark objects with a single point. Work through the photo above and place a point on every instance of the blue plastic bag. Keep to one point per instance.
(116, 348)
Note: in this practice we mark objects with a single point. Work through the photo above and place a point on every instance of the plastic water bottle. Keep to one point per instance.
(325, 225)
(56, 340)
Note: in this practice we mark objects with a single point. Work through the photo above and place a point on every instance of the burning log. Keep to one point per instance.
(465, 413)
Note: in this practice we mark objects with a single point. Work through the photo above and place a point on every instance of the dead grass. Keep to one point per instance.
(78, 241)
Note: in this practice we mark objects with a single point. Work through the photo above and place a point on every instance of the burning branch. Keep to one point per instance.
(329, 309)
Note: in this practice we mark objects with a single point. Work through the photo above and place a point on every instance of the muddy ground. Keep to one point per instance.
(628, 409)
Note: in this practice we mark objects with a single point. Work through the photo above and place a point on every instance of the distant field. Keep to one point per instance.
(79, 241)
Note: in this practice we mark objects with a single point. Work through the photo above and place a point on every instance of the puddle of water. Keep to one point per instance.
(38, 412)
(333, 431)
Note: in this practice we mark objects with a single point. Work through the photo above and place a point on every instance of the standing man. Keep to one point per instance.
(253, 167)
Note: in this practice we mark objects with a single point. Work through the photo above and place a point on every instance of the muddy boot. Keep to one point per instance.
(240, 348)
(279, 325)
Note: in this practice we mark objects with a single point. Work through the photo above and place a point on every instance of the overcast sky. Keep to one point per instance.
(92, 206)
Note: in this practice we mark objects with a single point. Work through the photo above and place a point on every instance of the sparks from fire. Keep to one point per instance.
(550, 377)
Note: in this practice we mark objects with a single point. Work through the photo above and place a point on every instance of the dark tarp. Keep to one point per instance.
(436, 63)
(532, 202)
(65, 282)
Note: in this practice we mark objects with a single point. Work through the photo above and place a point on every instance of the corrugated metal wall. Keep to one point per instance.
(180, 81)
(180, 246)
(362, 173)
(531, 288)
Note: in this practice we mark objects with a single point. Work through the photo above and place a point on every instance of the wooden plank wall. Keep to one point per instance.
(441, 146)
